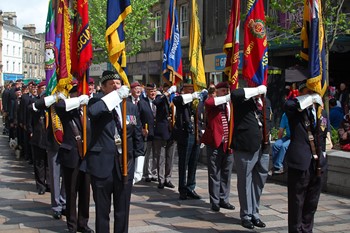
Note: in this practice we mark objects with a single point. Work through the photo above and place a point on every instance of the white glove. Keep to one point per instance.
(249, 92)
(195, 95)
(83, 99)
(72, 103)
(304, 101)
(262, 89)
(172, 89)
(60, 96)
(123, 92)
(50, 100)
(222, 99)
(317, 99)
(139, 161)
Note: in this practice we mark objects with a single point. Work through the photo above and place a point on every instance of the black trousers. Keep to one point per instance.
(77, 184)
(103, 189)
(304, 189)
(40, 168)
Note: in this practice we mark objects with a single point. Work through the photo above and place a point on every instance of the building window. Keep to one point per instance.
(13, 51)
(7, 49)
(158, 27)
(30, 72)
(184, 20)
(30, 58)
(19, 51)
(13, 67)
(19, 67)
(25, 57)
(7, 66)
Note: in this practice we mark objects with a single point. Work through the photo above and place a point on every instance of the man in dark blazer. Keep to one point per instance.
(220, 156)
(70, 156)
(308, 130)
(54, 137)
(104, 156)
(148, 111)
(251, 156)
(25, 100)
(38, 140)
(187, 142)
(164, 144)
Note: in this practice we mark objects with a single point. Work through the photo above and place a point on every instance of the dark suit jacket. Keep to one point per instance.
(299, 151)
(36, 124)
(183, 123)
(52, 144)
(146, 116)
(247, 135)
(102, 153)
(163, 116)
(68, 154)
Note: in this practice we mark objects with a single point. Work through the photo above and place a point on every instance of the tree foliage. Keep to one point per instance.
(335, 21)
(138, 26)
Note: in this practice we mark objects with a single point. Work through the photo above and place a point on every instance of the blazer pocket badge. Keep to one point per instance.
(131, 120)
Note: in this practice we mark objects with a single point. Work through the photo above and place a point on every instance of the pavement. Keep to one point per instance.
(22, 210)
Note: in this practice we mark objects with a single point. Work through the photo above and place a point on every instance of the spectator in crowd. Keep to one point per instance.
(280, 147)
(344, 133)
(343, 97)
(336, 114)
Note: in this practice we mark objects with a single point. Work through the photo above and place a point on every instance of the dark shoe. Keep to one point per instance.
(63, 212)
(161, 186)
(30, 162)
(215, 207)
(71, 231)
(148, 179)
(169, 185)
(183, 196)
(226, 205)
(41, 192)
(48, 189)
(154, 179)
(193, 194)
(86, 230)
(278, 171)
(258, 223)
(247, 224)
(57, 215)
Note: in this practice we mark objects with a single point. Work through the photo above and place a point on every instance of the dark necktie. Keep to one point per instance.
(117, 122)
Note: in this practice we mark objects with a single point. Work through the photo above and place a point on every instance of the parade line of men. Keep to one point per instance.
(49, 133)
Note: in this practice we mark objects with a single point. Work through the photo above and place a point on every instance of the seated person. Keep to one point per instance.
(344, 133)
(280, 147)
(336, 114)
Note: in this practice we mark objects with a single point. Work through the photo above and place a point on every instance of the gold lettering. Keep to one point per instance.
(249, 49)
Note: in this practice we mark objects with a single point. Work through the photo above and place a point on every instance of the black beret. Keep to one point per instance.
(109, 75)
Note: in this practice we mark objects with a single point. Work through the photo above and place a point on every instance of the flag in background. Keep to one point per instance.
(115, 38)
(231, 45)
(81, 52)
(255, 60)
(313, 46)
(195, 52)
(172, 63)
(50, 62)
(62, 48)
(50, 70)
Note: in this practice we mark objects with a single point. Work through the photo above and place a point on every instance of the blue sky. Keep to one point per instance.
(28, 12)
